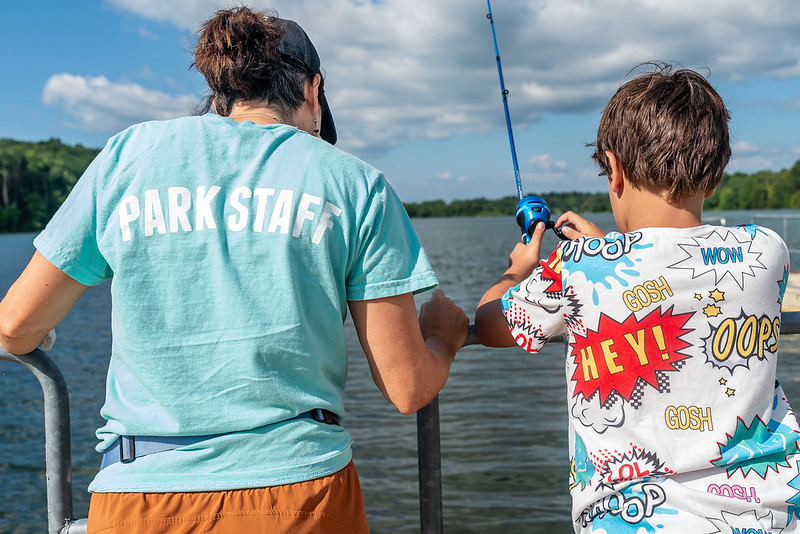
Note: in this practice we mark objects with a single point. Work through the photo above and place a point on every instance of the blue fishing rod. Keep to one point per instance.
(530, 209)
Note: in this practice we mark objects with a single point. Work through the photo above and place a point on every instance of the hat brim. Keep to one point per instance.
(296, 44)
(327, 128)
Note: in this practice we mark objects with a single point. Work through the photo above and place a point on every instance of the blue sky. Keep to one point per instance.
(413, 85)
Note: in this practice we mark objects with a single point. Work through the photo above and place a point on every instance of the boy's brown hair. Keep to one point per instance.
(669, 132)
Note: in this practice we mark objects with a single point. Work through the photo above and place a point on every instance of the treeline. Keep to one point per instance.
(761, 190)
(738, 191)
(557, 202)
(35, 178)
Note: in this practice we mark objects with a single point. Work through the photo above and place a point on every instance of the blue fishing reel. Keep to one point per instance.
(531, 210)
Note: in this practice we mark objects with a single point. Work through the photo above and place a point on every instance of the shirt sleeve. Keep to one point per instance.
(533, 309)
(69, 241)
(389, 259)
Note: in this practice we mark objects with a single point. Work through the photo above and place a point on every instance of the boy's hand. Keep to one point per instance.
(574, 226)
(525, 257)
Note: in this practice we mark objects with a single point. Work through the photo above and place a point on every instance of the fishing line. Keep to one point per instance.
(530, 209)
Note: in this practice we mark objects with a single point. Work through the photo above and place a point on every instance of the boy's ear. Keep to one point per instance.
(710, 193)
(616, 179)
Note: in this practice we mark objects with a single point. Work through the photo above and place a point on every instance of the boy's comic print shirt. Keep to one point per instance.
(677, 422)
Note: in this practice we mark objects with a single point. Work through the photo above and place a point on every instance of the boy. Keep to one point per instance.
(677, 424)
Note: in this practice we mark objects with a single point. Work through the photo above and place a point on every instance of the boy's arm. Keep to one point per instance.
(490, 323)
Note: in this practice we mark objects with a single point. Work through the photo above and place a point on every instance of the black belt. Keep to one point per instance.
(127, 448)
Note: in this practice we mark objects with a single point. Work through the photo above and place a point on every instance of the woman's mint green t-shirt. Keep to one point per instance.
(232, 250)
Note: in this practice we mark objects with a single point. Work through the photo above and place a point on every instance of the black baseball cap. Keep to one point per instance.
(297, 45)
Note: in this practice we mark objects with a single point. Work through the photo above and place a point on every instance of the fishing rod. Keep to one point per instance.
(530, 209)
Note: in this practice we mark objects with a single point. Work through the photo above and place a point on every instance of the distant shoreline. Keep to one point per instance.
(36, 177)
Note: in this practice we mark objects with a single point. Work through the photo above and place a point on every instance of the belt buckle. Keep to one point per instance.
(324, 416)
(127, 449)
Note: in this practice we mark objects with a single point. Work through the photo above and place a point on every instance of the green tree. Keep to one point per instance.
(35, 179)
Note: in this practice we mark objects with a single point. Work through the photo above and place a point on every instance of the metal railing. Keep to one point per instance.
(57, 451)
(58, 454)
(784, 231)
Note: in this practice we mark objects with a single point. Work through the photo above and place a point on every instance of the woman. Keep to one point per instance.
(235, 242)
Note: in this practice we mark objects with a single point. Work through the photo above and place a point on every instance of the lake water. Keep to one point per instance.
(503, 417)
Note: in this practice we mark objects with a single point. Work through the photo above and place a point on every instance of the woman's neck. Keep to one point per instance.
(255, 112)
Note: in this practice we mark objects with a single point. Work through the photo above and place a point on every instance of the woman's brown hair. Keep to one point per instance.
(668, 130)
(237, 53)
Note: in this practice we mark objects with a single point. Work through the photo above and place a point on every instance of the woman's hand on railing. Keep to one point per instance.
(49, 340)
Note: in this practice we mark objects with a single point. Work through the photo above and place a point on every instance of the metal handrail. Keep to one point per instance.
(57, 451)
(58, 454)
(429, 462)
(785, 218)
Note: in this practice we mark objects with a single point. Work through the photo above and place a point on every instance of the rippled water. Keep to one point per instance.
(503, 416)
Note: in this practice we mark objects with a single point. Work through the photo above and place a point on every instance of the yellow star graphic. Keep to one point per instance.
(711, 310)
(730, 392)
(698, 296)
(722, 381)
(717, 295)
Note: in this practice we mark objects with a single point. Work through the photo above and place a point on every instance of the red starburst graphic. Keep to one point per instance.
(551, 270)
(617, 355)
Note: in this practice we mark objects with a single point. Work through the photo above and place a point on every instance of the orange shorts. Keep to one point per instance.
(327, 505)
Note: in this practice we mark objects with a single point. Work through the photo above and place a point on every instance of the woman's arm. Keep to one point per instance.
(410, 358)
(39, 299)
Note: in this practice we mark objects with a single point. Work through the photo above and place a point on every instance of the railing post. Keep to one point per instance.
(58, 456)
(430, 469)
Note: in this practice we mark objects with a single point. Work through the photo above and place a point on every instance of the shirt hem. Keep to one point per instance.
(193, 482)
(416, 284)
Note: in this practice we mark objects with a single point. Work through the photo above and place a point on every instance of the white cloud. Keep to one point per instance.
(748, 158)
(751, 162)
(403, 69)
(743, 147)
(543, 174)
(447, 176)
(182, 13)
(545, 162)
(144, 33)
(101, 105)
(791, 104)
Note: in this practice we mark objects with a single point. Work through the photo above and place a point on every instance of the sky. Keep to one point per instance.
(413, 84)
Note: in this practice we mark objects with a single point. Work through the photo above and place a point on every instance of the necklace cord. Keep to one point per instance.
(276, 119)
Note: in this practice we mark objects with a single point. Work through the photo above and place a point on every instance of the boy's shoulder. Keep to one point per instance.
(665, 243)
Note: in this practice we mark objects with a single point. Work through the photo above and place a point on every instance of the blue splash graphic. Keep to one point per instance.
(613, 522)
(582, 468)
(758, 448)
(794, 502)
(782, 285)
(752, 229)
(596, 268)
